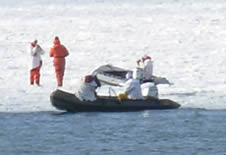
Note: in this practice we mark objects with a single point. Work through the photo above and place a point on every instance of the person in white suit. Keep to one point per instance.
(35, 52)
(87, 88)
(132, 87)
(146, 64)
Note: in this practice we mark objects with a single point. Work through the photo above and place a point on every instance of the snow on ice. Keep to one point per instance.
(186, 40)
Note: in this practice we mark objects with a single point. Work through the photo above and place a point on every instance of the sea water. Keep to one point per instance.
(186, 40)
(157, 132)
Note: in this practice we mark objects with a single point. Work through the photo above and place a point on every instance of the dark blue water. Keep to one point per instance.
(183, 131)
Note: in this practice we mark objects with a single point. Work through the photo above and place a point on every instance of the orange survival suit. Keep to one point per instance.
(59, 52)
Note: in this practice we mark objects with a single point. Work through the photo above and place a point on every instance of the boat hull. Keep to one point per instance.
(63, 100)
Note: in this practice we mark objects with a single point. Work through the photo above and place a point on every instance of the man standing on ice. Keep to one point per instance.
(58, 52)
(146, 64)
(35, 52)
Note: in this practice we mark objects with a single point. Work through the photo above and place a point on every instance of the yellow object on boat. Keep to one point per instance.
(122, 96)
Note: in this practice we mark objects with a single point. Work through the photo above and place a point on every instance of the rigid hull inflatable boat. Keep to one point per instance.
(67, 101)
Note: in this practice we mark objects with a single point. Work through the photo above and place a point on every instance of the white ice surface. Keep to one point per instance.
(187, 41)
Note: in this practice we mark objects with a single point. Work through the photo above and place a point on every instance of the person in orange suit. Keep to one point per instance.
(58, 52)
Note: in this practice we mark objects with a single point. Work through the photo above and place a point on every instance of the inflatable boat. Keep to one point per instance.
(116, 76)
(67, 101)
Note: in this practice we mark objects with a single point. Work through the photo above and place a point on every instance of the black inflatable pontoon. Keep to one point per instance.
(63, 100)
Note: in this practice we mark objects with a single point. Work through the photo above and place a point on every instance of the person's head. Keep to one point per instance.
(91, 78)
(56, 40)
(88, 78)
(146, 57)
(34, 43)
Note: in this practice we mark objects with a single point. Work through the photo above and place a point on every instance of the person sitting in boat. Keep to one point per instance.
(132, 86)
(146, 64)
(87, 88)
